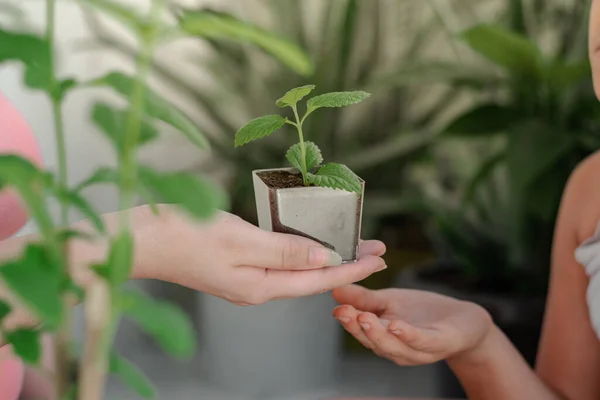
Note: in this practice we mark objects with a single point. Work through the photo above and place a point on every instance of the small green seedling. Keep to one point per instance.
(306, 156)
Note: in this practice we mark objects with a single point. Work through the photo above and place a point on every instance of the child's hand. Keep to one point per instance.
(411, 327)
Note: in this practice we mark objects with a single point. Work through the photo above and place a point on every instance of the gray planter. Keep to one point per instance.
(331, 217)
(282, 348)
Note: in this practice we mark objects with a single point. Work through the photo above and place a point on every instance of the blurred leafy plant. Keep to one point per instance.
(39, 277)
(534, 117)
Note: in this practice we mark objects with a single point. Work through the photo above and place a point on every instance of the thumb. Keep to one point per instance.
(361, 298)
(287, 252)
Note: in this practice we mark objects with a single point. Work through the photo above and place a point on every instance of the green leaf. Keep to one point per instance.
(505, 48)
(105, 175)
(81, 204)
(313, 156)
(4, 310)
(258, 128)
(544, 196)
(102, 175)
(18, 172)
(34, 52)
(26, 344)
(533, 149)
(564, 75)
(126, 15)
(336, 99)
(102, 271)
(216, 25)
(65, 87)
(483, 120)
(156, 107)
(113, 124)
(336, 176)
(37, 282)
(481, 175)
(166, 323)
(72, 287)
(120, 258)
(424, 73)
(189, 192)
(131, 376)
(22, 175)
(67, 234)
(292, 97)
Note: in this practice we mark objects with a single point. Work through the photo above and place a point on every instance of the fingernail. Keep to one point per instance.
(365, 325)
(321, 256)
(381, 268)
(344, 320)
(397, 332)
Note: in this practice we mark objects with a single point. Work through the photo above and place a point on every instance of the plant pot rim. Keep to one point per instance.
(291, 169)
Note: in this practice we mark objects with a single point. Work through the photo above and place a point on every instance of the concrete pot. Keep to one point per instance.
(331, 217)
(279, 349)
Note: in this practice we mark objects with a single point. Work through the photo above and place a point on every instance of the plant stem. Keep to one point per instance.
(62, 339)
(302, 146)
(95, 362)
(62, 156)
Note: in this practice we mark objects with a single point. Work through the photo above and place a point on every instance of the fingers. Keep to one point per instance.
(361, 298)
(347, 316)
(371, 248)
(423, 340)
(386, 343)
(284, 252)
(286, 284)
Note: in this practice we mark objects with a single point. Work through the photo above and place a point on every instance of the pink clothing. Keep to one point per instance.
(15, 138)
(12, 373)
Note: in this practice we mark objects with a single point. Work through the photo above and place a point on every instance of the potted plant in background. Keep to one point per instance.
(533, 119)
(320, 202)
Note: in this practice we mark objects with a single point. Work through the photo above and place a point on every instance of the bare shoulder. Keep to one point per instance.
(581, 199)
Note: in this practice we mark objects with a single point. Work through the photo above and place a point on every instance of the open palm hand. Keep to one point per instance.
(411, 327)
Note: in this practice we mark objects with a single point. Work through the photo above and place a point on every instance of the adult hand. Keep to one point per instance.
(411, 327)
(243, 264)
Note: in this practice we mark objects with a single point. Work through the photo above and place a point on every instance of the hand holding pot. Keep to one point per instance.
(245, 265)
(411, 327)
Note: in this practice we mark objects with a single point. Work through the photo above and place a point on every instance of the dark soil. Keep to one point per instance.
(281, 179)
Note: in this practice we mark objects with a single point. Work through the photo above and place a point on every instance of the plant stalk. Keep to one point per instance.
(95, 363)
(302, 147)
(62, 339)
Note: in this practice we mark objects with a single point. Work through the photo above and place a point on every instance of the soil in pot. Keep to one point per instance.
(281, 179)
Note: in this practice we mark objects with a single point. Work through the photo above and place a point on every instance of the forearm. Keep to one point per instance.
(496, 371)
(81, 254)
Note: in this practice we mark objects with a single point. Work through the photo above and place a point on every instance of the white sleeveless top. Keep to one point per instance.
(588, 255)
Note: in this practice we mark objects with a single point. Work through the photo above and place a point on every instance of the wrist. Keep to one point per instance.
(146, 228)
(481, 354)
